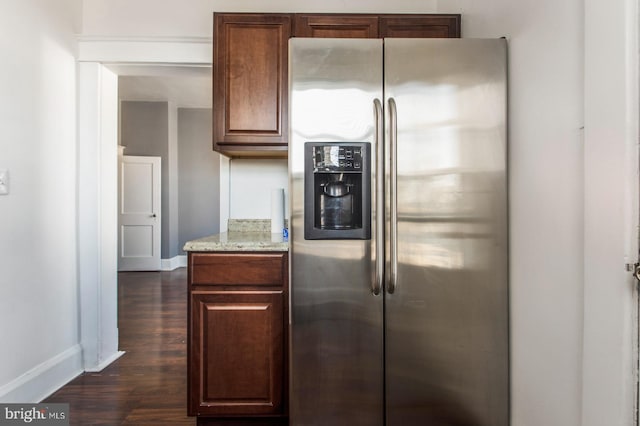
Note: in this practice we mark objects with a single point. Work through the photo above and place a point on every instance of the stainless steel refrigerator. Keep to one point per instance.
(399, 308)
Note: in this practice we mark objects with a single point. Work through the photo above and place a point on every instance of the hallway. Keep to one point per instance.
(147, 385)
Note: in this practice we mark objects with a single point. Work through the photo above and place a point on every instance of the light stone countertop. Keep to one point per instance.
(243, 235)
(239, 241)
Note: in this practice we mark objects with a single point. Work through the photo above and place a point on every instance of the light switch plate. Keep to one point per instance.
(4, 182)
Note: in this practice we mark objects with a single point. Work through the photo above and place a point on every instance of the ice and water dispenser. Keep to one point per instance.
(337, 191)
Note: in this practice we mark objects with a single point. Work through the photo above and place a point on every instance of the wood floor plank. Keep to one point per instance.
(148, 384)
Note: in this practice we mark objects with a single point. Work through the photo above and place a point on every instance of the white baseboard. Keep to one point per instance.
(46, 378)
(105, 363)
(174, 263)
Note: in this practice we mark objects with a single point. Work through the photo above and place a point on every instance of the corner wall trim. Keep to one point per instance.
(44, 379)
(105, 363)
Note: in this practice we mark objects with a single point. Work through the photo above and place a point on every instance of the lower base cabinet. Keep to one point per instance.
(237, 356)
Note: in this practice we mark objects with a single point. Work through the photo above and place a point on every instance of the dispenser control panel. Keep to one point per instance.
(337, 190)
(337, 158)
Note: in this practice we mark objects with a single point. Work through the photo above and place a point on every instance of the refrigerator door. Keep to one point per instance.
(336, 319)
(446, 306)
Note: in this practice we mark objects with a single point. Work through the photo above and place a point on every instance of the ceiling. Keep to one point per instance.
(185, 86)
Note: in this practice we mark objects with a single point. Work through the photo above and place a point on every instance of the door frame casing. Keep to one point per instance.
(97, 214)
(97, 176)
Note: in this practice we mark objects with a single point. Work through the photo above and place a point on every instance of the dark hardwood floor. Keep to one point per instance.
(148, 384)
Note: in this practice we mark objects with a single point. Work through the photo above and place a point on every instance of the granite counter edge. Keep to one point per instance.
(236, 242)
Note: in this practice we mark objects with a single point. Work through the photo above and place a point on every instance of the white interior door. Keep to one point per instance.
(139, 214)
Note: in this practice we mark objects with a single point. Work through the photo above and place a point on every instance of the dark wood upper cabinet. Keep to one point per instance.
(376, 26)
(250, 88)
(336, 26)
(250, 68)
(415, 26)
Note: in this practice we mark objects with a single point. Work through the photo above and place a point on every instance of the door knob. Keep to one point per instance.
(153, 215)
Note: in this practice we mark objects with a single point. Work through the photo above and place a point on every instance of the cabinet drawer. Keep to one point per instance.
(237, 269)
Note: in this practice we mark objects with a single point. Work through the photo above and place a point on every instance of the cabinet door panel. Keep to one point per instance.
(238, 356)
(336, 26)
(253, 75)
(250, 88)
(427, 26)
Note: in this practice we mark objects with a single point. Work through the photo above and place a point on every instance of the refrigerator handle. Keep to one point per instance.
(379, 188)
(393, 195)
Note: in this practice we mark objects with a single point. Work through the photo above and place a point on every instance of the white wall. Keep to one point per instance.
(250, 185)
(39, 327)
(611, 186)
(171, 17)
(545, 200)
(569, 216)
